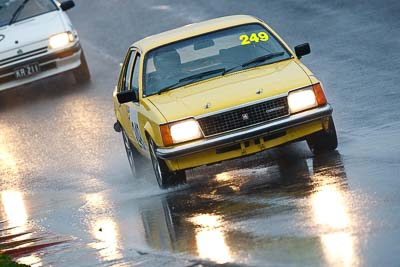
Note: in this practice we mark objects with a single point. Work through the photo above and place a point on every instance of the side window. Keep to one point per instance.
(127, 72)
(135, 75)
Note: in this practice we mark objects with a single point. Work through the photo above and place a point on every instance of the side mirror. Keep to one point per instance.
(67, 5)
(302, 50)
(126, 96)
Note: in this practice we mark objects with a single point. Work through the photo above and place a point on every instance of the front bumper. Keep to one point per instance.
(51, 63)
(244, 135)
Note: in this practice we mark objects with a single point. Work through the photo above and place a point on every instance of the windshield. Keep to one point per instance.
(10, 8)
(209, 55)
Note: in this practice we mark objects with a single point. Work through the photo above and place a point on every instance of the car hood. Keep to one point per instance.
(231, 90)
(31, 30)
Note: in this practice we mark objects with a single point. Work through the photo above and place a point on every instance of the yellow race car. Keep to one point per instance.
(213, 91)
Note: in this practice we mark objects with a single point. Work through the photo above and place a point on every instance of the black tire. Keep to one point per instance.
(325, 140)
(135, 159)
(165, 178)
(82, 73)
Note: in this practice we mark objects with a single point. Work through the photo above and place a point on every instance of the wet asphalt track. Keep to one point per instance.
(64, 175)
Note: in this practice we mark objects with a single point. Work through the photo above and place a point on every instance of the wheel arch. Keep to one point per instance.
(149, 133)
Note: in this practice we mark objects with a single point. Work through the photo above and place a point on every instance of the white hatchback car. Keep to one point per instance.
(37, 40)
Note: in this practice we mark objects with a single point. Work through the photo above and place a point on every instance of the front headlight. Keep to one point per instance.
(182, 131)
(61, 40)
(303, 99)
(300, 100)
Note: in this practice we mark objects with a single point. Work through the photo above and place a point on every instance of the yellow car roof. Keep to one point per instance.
(190, 30)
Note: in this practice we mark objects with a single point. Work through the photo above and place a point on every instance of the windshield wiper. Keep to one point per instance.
(17, 12)
(170, 87)
(256, 60)
(188, 79)
(262, 58)
(202, 74)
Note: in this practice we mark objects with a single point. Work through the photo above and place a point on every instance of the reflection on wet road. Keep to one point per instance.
(330, 206)
(102, 226)
(210, 238)
(214, 218)
(15, 212)
(17, 237)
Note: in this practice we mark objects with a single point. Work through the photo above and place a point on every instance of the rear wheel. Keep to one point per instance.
(82, 73)
(136, 161)
(325, 140)
(165, 178)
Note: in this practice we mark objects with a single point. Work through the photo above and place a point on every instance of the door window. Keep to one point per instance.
(127, 71)
(135, 75)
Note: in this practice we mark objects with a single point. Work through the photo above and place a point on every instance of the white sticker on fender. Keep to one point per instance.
(133, 117)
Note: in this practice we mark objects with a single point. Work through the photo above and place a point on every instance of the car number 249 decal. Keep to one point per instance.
(253, 38)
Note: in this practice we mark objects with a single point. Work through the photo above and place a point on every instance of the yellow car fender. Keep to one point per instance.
(149, 132)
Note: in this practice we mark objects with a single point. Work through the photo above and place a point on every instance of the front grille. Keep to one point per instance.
(29, 54)
(245, 116)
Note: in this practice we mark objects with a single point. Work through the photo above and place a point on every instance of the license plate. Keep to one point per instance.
(27, 70)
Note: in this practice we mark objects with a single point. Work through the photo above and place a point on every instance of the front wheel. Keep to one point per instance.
(325, 140)
(165, 178)
(82, 73)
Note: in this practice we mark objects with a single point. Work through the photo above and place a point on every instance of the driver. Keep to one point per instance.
(168, 69)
